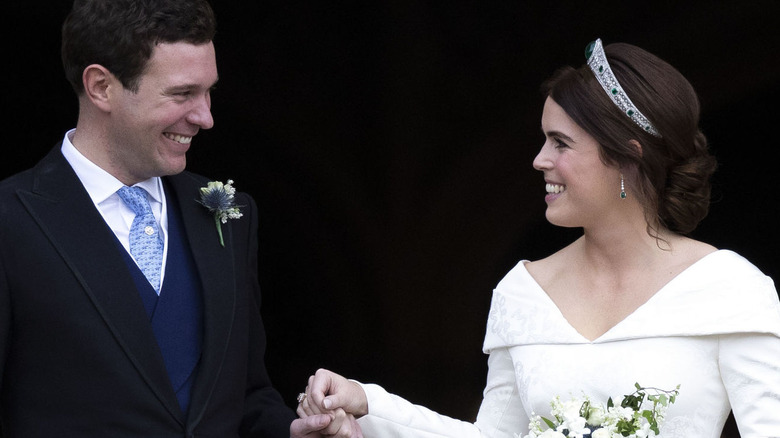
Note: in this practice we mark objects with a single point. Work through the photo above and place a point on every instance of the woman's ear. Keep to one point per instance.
(98, 83)
(637, 145)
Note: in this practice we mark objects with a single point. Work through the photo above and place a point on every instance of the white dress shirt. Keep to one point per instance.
(102, 188)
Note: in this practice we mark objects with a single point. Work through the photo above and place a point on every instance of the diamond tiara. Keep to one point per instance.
(597, 61)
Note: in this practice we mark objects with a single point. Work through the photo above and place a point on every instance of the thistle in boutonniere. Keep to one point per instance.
(218, 198)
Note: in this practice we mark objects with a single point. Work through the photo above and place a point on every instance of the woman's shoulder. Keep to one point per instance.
(726, 264)
(556, 259)
(689, 248)
(722, 293)
(555, 265)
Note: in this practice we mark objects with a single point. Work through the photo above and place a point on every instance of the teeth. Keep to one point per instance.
(179, 138)
(555, 188)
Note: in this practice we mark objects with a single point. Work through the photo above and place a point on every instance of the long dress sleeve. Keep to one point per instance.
(391, 416)
(501, 413)
(751, 375)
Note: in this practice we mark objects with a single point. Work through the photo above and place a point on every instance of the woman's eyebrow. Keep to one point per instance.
(559, 135)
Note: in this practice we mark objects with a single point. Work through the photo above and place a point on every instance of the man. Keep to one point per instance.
(126, 310)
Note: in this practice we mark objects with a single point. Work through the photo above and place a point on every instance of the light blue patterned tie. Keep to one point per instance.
(146, 245)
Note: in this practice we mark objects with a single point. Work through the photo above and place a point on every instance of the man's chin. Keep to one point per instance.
(174, 167)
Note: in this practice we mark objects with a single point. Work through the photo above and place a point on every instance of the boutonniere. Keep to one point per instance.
(218, 198)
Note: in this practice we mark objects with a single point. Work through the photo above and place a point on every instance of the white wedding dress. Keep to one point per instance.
(714, 330)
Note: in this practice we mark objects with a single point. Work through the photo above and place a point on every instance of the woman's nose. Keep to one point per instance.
(542, 160)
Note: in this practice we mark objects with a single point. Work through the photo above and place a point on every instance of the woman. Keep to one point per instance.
(633, 300)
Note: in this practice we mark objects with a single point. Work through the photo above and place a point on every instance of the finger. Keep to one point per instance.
(303, 426)
(340, 426)
(307, 407)
(302, 413)
(329, 390)
(301, 404)
(321, 384)
(309, 402)
(357, 432)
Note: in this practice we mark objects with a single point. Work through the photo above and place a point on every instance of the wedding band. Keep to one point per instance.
(301, 397)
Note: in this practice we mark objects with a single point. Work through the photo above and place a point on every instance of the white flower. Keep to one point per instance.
(575, 426)
(534, 427)
(570, 410)
(644, 431)
(596, 415)
(568, 415)
(601, 433)
(549, 433)
(621, 413)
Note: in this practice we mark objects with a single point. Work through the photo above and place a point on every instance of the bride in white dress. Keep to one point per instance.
(633, 299)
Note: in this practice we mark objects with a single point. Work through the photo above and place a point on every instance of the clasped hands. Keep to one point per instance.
(329, 407)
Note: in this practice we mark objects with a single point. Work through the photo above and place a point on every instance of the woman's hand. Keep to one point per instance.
(342, 400)
(328, 391)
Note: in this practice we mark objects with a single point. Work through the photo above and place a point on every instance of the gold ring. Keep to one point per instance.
(301, 397)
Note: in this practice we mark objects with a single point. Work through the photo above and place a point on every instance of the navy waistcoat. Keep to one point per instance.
(177, 314)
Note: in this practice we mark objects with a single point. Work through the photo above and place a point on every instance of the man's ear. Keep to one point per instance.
(99, 83)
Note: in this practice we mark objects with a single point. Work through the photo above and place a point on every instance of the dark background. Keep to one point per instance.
(389, 147)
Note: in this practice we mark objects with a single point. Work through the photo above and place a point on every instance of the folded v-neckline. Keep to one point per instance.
(609, 334)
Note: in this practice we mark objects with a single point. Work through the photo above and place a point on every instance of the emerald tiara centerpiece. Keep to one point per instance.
(597, 61)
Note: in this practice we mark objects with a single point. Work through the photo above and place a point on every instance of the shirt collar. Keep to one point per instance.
(100, 184)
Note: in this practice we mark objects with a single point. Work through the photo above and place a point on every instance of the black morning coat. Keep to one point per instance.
(78, 357)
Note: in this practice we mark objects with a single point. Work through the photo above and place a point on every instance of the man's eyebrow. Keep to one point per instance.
(188, 87)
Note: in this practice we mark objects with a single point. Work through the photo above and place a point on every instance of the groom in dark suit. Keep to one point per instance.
(126, 309)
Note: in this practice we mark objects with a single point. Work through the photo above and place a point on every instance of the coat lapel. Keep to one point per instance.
(62, 208)
(217, 274)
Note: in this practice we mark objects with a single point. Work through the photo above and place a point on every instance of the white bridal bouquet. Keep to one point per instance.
(579, 418)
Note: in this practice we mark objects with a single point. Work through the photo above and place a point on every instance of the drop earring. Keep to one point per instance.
(622, 188)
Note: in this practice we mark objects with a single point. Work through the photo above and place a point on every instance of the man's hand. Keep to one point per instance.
(309, 427)
(339, 425)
